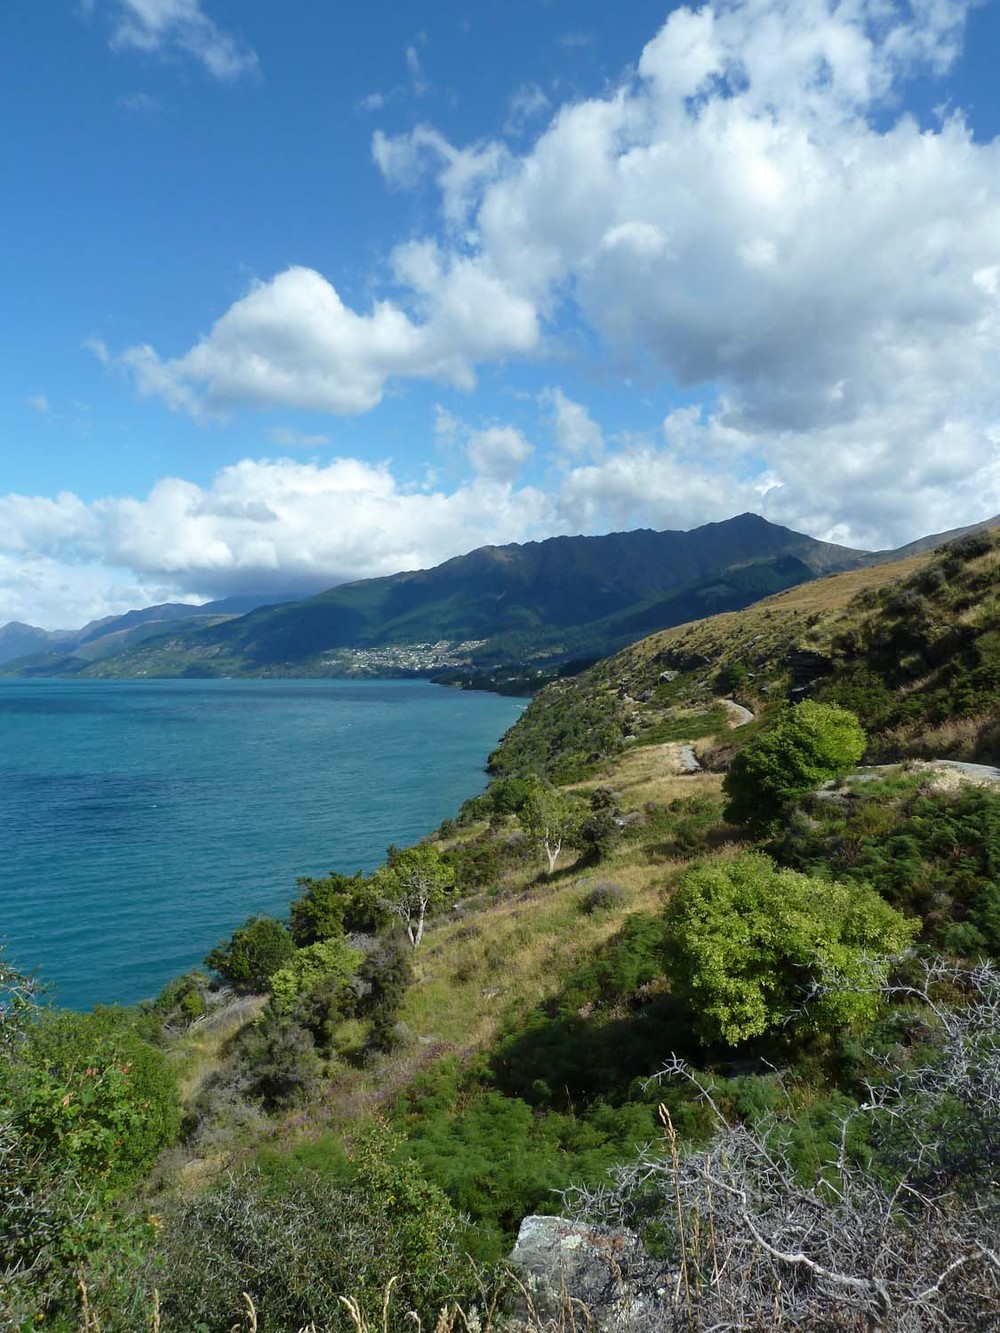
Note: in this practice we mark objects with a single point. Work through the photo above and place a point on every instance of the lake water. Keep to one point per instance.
(141, 821)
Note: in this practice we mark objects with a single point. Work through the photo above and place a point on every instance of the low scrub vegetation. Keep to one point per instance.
(369, 1096)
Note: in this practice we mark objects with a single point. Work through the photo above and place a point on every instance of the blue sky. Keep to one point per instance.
(306, 292)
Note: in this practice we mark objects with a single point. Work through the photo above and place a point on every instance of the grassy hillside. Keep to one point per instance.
(395, 1115)
(911, 647)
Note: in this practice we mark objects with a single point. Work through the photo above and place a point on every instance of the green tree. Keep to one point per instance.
(327, 960)
(253, 953)
(552, 820)
(749, 945)
(507, 796)
(602, 826)
(332, 906)
(414, 880)
(808, 746)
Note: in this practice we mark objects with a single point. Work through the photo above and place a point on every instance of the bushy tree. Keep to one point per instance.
(386, 972)
(601, 828)
(552, 820)
(507, 796)
(808, 746)
(334, 905)
(252, 954)
(331, 960)
(413, 880)
(749, 946)
(280, 1058)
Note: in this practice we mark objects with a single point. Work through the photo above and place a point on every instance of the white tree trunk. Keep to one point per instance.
(415, 924)
(552, 850)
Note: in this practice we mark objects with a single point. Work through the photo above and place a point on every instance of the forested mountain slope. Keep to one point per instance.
(556, 599)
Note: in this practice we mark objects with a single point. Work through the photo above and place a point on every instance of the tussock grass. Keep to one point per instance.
(198, 1055)
(954, 736)
(750, 634)
(652, 773)
(472, 974)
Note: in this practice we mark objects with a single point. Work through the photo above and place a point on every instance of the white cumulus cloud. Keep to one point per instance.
(747, 216)
(498, 453)
(293, 342)
(261, 525)
(164, 27)
(577, 433)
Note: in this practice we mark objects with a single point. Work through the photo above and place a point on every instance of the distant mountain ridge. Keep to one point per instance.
(545, 600)
(536, 591)
(542, 602)
(931, 543)
(111, 634)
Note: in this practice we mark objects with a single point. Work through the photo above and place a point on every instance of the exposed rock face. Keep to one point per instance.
(598, 1278)
(806, 669)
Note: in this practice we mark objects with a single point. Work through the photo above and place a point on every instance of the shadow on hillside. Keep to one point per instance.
(565, 1059)
(682, 846)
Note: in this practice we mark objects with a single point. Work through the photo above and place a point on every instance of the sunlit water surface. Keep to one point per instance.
(140, 821)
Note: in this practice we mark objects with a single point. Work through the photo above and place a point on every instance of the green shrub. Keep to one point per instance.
(386, 972)
(693, 822)
(331, 960)
(297, 1247)
(85, 1104)
(963, 549)
(183, 999)
(750, 946)
(335, 905)
(95, 1095)
(601, 829)
(731, 678)
(809, 745)
(931, 854)
(602, 896)
(279, 1056)
(252, 954)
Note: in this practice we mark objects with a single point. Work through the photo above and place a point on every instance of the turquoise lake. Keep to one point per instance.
(141, 821)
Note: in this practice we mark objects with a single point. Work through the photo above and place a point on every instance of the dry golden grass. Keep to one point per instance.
(472, 974)
(752, 635)
(830, 593)
(198, 1055)
(956, 737)
(650, 773)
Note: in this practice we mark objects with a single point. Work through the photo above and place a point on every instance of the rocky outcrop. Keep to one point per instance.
(587, 1277)
(806, 670)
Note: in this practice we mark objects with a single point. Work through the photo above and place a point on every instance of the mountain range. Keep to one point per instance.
(544, 603)
(112, 634)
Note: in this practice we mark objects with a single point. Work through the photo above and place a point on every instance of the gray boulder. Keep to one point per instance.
(587, 1277)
